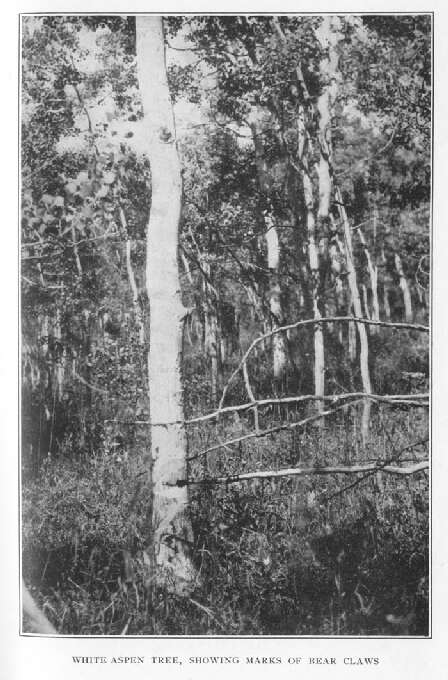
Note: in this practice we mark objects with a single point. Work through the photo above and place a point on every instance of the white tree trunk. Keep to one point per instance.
(211, 329)
(408, 315)
(275, 305)
(273, 254)
(365, 299)
(171, 528)
(313, 255)
(373, 275)
(132, 282)
(357, 308)
(329, 34)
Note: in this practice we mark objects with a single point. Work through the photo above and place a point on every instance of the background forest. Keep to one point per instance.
(305, 159)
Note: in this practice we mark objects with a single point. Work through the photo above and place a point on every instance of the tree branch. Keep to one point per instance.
(302, 472)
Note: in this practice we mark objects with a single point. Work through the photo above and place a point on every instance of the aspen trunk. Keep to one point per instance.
(275, 305)
(273, 253)
(211, 332)
(329, 35)
(132, 282)
(211, 348)
(365, 299)
(373, 275)
(357, 308)
(351, 340)
(313, 255)
(61, 357)
(313, 260)
(171, 528)
(386, 304)
(408, 315)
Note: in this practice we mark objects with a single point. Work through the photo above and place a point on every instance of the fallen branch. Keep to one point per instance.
(302, 472)
(395, 399)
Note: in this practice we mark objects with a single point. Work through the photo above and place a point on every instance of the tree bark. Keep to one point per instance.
(171, 528)
(408, 315)
(132, 282)
(373, 275)
(357, 308)
(211, 332)
(273, 252)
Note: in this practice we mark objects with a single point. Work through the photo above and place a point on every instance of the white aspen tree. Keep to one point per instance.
(329, 34)
(404, 286)
(211, 334)
(313, 259)
(304, 151)
(132, 282)
(365, 299)
(373, 276)
(273, 256)
(357, 308)
(62, 355)
(171, 527)
(352, 345)
(386, 304)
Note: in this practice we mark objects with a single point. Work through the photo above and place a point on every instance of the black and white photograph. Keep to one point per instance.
(225, 316)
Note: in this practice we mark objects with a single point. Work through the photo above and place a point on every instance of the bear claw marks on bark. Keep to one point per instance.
(166, 136)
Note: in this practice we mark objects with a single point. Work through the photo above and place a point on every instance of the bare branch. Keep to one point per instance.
(394, 399)
(302, 472)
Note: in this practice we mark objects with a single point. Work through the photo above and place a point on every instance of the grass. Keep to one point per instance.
(292, 556)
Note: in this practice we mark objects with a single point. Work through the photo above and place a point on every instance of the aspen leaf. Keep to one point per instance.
(102, 192)
(108, 177)
(71, 188)
(82, 177)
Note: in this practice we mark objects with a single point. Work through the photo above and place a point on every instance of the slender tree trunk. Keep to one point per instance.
(211, 334)
(329, 35)
(273, 252)
(351, 338)
(408, 315)
(373, 275)
(313, 260)
(211, 347)
(61, 355)
(132, 282)
(357, 308)
(275, 305)
(385, 277)
(365, 299)
(171, 528)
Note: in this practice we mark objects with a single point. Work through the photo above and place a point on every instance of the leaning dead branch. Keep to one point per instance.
(393, 399)
(304, 471)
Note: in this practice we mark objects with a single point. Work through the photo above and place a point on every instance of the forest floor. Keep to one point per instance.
(319, 555)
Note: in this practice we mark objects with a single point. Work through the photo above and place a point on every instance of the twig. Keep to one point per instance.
(207, 611)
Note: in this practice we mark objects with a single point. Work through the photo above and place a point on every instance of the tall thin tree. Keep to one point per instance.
(171, 528)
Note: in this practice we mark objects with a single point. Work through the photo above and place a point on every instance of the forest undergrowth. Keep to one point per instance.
(319, 555)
